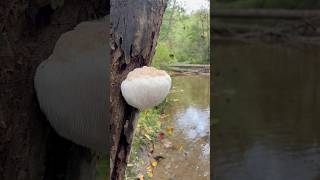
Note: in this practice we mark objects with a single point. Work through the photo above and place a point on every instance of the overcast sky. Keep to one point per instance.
(192, 5)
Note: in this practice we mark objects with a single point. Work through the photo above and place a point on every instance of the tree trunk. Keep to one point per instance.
(135, 26)
(170, 24)
(29, 148)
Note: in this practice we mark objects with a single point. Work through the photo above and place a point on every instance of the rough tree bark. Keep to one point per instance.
(29, 148)
(135, 26)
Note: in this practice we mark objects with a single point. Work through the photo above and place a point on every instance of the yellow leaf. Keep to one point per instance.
(154, 163)
(149, 168)
(180, 147)
(170, 130)
(147, 136)
(150, 174)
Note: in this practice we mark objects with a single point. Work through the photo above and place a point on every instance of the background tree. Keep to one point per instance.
(184, 36)
(29, 148)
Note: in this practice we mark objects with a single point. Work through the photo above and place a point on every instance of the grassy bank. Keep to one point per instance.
(102, 167)
(146, 135)
(148, 127)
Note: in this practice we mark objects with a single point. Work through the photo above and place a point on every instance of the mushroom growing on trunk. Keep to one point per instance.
(72, 85)
(145, 87)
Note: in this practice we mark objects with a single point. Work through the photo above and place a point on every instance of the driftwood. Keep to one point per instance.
(266, 14)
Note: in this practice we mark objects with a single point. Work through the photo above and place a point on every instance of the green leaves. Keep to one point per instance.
(183, 38)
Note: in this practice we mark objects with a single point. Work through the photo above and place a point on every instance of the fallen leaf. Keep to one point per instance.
(170, 130)
(160, 136)
(180, 147)
(150, 174)
(154, 163)
(149, 168)
(168, 144)
(148, 137)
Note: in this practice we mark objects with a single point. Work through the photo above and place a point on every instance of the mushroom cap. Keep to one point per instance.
(145, 87)
(72, 85)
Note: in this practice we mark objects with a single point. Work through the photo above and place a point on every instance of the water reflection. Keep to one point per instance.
(189, 115)
(193, 122)
(266, 97)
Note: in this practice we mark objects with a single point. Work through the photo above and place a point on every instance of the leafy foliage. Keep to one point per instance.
(184, 38)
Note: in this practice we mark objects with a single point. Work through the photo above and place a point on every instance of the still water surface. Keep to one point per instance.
(267, 109)
(188, 114)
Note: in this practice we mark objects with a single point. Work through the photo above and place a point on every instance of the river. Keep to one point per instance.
(267, 109)
(188, 115)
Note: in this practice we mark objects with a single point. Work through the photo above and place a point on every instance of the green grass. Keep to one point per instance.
(103, 165)
(145, 134)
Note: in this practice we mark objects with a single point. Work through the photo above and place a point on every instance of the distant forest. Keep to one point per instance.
(184, 37)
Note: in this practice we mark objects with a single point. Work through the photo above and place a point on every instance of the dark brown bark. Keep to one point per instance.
(262, 13)
(29, 148)
(135, 26)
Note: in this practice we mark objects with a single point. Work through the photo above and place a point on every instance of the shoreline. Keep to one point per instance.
(187, 69)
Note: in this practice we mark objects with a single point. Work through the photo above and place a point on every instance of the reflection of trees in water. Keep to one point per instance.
(275, 100)
(191, 90)
(190, 103)
(189, 116)
(194, 122)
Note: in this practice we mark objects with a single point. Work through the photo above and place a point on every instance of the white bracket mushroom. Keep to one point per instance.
(145, 87)
(72, 85)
